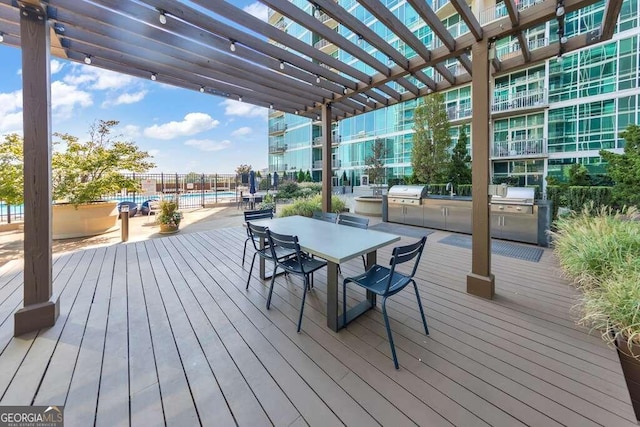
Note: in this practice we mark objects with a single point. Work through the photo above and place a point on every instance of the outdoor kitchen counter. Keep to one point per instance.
(455, 214)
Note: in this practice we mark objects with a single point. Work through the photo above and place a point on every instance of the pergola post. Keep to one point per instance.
(480, 281)
(41, 307)
(327, 171)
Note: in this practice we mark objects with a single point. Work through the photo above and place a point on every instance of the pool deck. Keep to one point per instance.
(163, 332)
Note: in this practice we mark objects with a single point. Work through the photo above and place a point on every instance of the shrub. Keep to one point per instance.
(288, 190)
(306, 206)
(595, 243)
(464, 189)
(578, 196)
(169, 213)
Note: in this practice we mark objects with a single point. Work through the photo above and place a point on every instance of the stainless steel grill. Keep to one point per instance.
(406, 194)
(517, 200)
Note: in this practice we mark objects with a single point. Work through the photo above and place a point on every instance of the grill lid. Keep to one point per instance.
(408, 191)
(516, 196)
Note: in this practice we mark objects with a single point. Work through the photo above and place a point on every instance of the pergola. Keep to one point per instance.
(217, 48)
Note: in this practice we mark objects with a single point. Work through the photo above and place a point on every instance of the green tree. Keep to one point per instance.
(193, 177)
(430, 158)
(578, 175)
(307, 176)
(375, 162)
(459, 170)
(624, 169)
(242, 169)
(11, 170)
(86, 171)
(300, 176)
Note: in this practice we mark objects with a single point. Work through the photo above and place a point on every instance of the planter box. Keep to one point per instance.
(85, 220)
(368, 205)
(631, 370)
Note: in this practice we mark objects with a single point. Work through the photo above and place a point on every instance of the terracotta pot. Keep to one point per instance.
(168, 228)
(631, 370)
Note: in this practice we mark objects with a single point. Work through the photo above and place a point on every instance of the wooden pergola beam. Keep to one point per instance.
(468, 17)
(610, 18)
(524, 47)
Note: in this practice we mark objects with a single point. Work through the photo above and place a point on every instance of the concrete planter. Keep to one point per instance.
(85, 220)
(368, 205)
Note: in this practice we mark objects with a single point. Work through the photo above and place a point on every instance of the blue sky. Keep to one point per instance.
(185, 131)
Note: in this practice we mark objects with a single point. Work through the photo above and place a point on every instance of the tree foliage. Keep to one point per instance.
(459, 170)
(430, 158)
(243, 169)
(86, 171)
(11, 170)
(578, 175)
(375, 162)
(624, 169)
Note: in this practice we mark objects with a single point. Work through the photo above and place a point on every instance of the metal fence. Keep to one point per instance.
(193, 191)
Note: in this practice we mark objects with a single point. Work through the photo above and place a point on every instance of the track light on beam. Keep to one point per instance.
(282, 65)
(154, 76)
(1, 37)
(162, 17)
(87, 59)
(201, 89)
(232, 46)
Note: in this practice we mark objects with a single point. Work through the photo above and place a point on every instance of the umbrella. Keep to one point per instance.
(252, 182)
(275, 180)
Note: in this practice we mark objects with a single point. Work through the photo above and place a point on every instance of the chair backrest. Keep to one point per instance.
(256, 232)
(285, 241)
(259, 214)
(406, 253)
(353, 221)
(325, 216)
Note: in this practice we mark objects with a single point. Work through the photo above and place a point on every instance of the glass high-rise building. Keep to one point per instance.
(545, 117)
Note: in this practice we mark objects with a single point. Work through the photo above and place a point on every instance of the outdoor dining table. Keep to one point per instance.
(336, 244)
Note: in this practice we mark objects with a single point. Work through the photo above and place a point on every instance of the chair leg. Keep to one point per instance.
(273, 281)
(253, 260)
(304, 295)
(386, 323)
(364, 262)
(424, 320)
(244, 251)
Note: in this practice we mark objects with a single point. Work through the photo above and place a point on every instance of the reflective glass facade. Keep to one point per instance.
(545, 117)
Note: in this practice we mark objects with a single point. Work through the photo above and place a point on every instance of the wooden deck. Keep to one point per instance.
(163, 332)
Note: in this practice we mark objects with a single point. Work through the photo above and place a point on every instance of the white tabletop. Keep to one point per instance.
(333, 242)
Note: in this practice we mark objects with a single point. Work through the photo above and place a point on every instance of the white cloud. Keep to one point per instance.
(64, 98)
(97, 78)
(245, 130)
(208, 144)
(56, 66)
(125, 98)
(258, 10)
(235, 108)
(153, 153)
(131, 131)
(192, 124)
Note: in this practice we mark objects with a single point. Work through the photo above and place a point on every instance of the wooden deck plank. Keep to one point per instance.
(24, 385)
(238, 332)
(57, 379)
(82, 399)
(175, 392)
(215, 354)
(231, 351)
(113, 395)
(312, 363)
(201, 353)
(145, 402)
(395, 395)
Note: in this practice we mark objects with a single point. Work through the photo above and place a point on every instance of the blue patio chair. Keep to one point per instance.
(254, 216)
(299, 264)
(386, 281)
(355, 221)
(325, 216)
(257, 232)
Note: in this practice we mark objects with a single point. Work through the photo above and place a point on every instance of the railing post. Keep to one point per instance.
(202, 188)
(215, 191)
(177, 193)
(8, 213)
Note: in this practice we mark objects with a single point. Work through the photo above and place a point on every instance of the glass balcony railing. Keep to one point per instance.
(519, 149)
(279, 148)
(318, 140)
(277, 128)
(335, 164)
(499, 10)
(513, 49)
(519, 101)
(458, 113)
